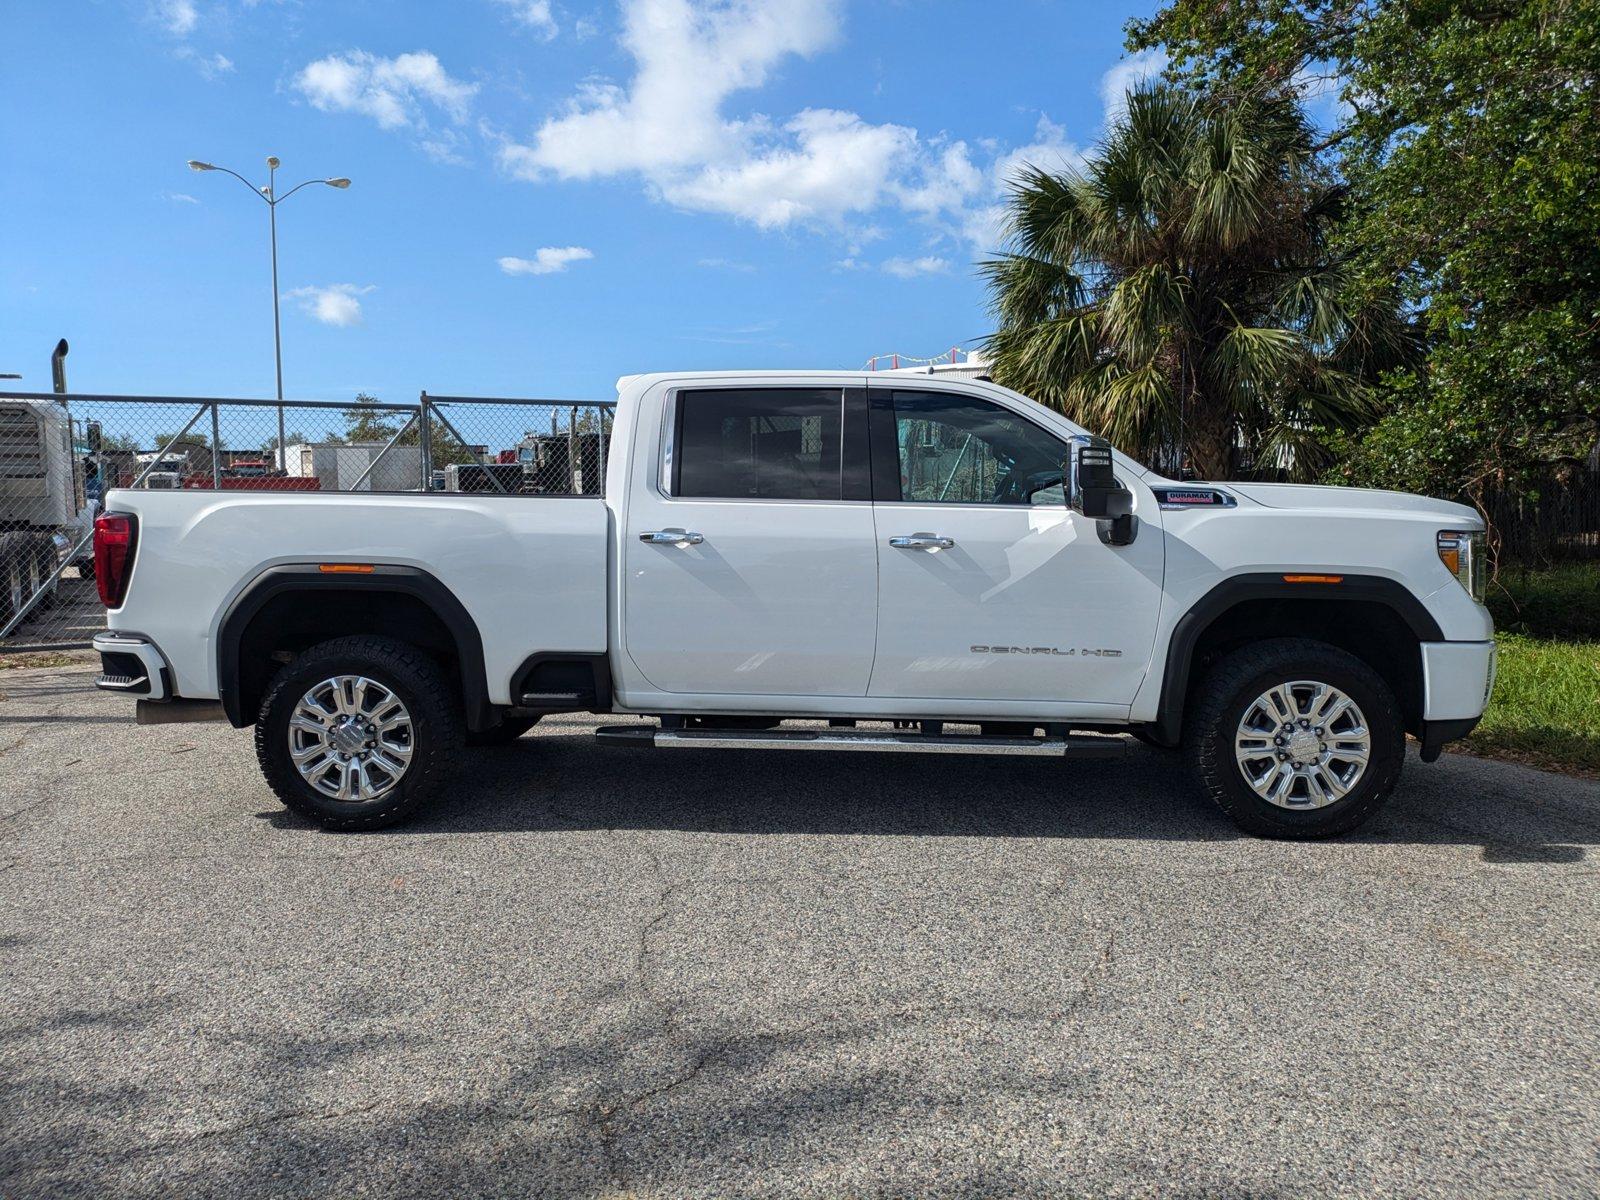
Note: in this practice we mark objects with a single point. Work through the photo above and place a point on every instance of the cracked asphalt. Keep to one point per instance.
(599, 972)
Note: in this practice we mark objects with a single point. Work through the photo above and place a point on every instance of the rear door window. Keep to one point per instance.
(759, 444)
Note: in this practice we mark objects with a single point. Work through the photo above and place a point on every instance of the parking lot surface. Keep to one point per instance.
(591, 971)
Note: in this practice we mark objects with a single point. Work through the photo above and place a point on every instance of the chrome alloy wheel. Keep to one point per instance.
(1302, 745)
(351, 738)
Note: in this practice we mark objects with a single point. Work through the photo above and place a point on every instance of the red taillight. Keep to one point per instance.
(114, 536)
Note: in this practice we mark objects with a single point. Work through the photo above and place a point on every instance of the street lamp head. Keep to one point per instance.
(196, 165)
(340, 182)
(272, 161)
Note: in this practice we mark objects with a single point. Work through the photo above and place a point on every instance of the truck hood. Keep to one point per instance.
(1345, 499)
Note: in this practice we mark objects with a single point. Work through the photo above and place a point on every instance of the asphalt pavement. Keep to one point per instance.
(594, 971)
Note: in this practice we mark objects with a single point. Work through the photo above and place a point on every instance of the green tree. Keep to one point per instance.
(293, 437)
(364, 423)
(1179, 294)
(1469, 134)
(193, 438)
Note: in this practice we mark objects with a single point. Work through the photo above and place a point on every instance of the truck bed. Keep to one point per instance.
(531, 570)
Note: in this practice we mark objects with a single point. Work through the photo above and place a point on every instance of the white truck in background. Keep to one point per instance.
(816, 561)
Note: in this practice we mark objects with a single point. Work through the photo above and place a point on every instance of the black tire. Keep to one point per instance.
(503, 734)
(419, 684)
(47, 564)
(1228, 692)
(13, 575)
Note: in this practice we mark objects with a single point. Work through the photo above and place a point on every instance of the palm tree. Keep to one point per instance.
(1180, 294)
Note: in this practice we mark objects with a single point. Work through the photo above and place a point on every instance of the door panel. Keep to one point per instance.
(779, 597)
(1025, 602)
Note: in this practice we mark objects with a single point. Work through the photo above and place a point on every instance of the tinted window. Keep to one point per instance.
(759, 444)
(961, 450)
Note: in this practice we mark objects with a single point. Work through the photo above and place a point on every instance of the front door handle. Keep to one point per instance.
(670, 537)
(922, 541)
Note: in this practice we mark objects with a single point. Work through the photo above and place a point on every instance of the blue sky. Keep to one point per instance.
(545, 196)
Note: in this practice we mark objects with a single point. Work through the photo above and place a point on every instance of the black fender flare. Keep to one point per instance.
(309, 577)
(1370, 589)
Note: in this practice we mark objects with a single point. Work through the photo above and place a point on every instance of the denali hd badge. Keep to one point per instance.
(1070, 651)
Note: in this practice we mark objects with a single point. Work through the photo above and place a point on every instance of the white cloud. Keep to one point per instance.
(336, 304)
(179, 17)
(983, 224)
(910, 268)
(725, 264)
(210, 66)
(689, 61)
(947, 183)
(669, 126)
(535, 14)
(1116, 83)
(179, 197)
(389, 90)
(547, 260)
(837, 164)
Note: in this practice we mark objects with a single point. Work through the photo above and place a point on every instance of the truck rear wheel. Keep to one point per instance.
(356, 732)
(1295, 739)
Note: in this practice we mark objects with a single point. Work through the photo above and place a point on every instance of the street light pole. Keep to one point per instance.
(277, 328)
(270, 195)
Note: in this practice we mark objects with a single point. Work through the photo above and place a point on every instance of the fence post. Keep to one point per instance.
(574, 467)
(425, 445)
(600, 432)
(216, 449)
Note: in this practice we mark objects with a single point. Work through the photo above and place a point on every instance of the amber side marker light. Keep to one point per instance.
(345, 568)
(1313, 578)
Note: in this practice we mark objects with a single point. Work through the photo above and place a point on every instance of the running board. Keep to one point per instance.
(555, 702)
(858, 739)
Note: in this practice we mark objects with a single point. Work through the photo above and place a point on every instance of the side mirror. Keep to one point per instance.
(1093, 490)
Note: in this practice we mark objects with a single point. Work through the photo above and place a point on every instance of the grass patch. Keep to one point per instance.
(47, 658)
(1545, 710)
(1562, 603)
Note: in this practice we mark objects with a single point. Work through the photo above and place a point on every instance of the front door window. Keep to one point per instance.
(956, 449)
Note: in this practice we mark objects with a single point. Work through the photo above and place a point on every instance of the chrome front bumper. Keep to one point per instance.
(131, 664)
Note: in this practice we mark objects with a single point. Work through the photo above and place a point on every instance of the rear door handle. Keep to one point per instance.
(922, 541)
(670, 537)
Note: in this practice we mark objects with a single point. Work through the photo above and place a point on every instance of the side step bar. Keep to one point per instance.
(859, 739)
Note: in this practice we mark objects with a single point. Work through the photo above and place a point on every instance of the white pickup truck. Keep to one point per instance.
(816, 561)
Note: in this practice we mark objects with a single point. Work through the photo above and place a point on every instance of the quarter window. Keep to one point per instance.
(956, 449)
(759, 444)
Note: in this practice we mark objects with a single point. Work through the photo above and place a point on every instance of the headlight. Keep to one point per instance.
(1462, 553)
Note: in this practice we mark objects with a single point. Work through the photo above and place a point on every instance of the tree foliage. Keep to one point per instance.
(1180, 293)
(1468, 132)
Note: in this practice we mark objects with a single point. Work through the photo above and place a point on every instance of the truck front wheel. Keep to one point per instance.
(356, 732)
(1295, 739)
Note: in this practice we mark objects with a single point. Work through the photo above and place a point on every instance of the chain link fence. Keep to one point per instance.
(60, 454)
